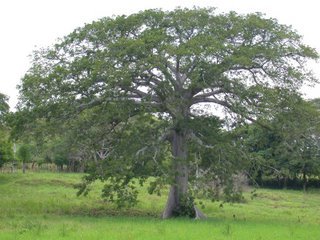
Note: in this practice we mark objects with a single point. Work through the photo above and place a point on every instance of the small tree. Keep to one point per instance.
(6, 152)
(6, 147)
(24, 154)
(4, 107)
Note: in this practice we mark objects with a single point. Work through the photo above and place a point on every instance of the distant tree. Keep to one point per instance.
(300, 140)
(290, 147)
(60, 156)
(167, 65)
(316, 103)
(6, 147)
(4, 106)
(24, 154)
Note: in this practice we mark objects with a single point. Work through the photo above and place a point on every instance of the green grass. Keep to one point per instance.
(45, 206)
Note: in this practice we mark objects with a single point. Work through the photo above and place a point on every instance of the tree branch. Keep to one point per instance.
(92, 103)
(211, 93)
(230, 107)
(200, 99)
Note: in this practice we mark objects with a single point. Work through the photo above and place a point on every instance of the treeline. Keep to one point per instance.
(286, 149)
(282, 152)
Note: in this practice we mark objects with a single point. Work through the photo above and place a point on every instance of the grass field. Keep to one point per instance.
(45, 206)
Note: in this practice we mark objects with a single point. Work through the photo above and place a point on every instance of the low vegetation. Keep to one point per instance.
(45, 206)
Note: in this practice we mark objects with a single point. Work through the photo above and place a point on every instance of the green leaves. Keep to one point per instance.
(24, 153)
(6, 147)
(289, 148)
(190, 50)
(4, 107)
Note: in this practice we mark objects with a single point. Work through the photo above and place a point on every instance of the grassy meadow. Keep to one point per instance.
(45, 206)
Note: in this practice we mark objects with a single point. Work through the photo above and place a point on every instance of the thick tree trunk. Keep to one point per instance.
(179, 188)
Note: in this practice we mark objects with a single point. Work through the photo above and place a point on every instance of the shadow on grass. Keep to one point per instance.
(41, 182)
(107, 211)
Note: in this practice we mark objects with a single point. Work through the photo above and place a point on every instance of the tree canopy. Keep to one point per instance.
(290, 148)
(148, 75)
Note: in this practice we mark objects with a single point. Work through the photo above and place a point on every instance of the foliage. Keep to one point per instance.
(148, 74)
(289, 148)
(24, 153)
(4, 107)
(186, 209)
(6, 147)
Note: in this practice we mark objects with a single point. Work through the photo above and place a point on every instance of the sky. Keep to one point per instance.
(26, 25)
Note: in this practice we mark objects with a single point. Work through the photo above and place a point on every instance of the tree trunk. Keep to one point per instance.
(33, 165)
(24, 166)
(178, 194)
(305, 180)
(259, 178)
(285, 182)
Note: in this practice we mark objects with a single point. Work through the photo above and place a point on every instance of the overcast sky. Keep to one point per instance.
(26, 25)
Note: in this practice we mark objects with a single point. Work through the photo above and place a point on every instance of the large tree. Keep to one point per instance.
(166, 65)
